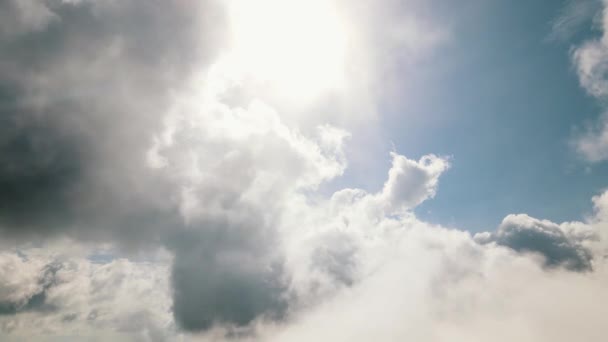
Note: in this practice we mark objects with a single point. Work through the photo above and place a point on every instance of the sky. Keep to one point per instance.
(285, 170)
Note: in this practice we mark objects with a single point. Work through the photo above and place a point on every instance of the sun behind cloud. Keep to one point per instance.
(298, 48)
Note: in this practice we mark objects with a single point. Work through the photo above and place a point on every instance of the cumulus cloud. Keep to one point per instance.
(558, 244)
(423, 282)
(45, 294)
(119, 124)
(439, 285)
(410, 183)
(410, 280)
(593, 144)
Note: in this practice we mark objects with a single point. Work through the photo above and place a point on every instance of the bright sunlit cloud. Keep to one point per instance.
(298, 48)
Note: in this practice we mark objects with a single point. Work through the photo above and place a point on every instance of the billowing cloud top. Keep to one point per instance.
(160, 175)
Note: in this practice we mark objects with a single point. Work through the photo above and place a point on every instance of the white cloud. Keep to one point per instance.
(357, 274)
(421, 282)
(59, 296)
(21, 280)
(410, 183)
(593, 144)
(591, 62)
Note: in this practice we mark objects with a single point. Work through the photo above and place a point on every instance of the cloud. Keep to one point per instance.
(422, 282)
(573, 16)
(593, 144)
(52, 295)
(411, 183)
(24, 283)
(232, 168)
(225, 288)
(22, 17)
(457, 291)
(591, 62)
(403, 277)
(560, 245)
(80, 101)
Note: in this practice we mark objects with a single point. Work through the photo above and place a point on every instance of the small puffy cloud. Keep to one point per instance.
(593, 144)
(411, 182)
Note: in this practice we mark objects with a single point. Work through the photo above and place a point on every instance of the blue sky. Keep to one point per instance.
(503, 99)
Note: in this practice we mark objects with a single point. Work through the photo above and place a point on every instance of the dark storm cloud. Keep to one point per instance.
(84, 85)
(225, 274)
(39, 170)
(525, 234)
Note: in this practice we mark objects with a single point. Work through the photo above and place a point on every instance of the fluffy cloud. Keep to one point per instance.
(347, 263)
(423, 282)
(410, 183)
(439, 285)
(50, 295)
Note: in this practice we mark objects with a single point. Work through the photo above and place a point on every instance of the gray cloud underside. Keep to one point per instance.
(84, 88)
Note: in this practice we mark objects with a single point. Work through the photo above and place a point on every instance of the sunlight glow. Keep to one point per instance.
(296, 47)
